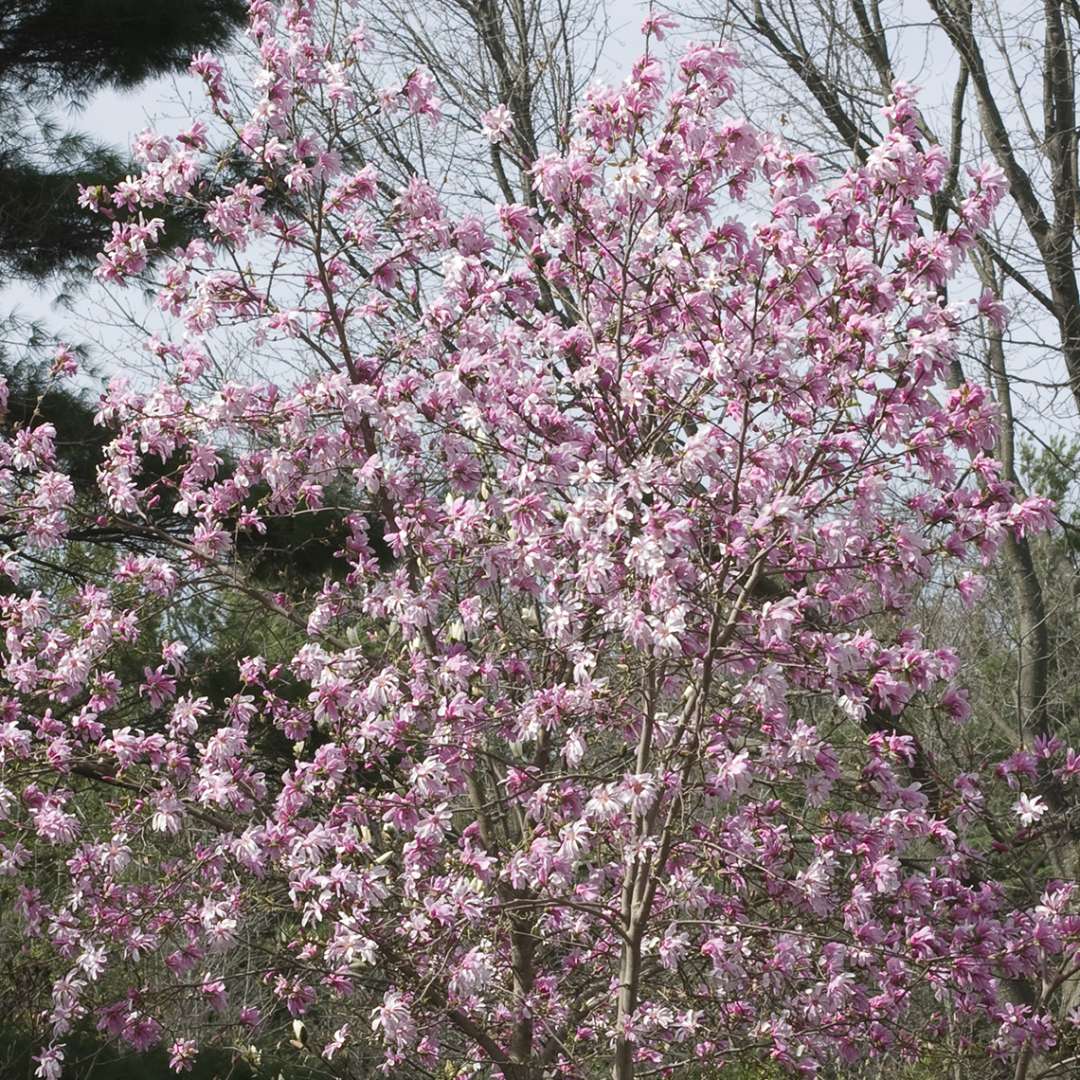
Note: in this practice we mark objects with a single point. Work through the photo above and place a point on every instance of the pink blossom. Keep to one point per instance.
(1029, 809)
(497, 124)
(393, 1020)
(182, 1055)
(656, 25)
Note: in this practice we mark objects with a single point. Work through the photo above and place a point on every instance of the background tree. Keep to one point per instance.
(58, 53)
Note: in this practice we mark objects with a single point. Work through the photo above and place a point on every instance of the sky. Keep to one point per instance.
(116, 117)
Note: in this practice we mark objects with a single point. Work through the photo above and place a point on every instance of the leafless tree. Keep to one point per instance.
(534, 56)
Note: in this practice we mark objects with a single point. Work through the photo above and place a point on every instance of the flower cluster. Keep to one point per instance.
(597, 749)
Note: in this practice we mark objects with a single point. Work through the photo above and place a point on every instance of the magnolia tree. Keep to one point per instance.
(596, 757)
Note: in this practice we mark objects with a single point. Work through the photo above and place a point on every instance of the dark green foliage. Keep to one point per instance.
(42, 226)
(69, 48)
(301, 548)
(58, 53)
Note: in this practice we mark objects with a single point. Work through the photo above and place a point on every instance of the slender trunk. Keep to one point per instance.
(629, 976)
(523, 948)
(1034, 654)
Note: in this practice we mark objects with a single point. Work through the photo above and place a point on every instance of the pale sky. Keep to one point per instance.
(116, 117)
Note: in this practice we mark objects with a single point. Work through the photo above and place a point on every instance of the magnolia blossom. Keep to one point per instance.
(50, 1063)
(606, 733)
(182, 1055)
(497, 124)
(1029, 809)
(393, 1020)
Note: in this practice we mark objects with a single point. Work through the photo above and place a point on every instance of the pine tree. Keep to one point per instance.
(58, 53)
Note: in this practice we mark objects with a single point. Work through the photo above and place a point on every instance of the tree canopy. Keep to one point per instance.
(544, 614)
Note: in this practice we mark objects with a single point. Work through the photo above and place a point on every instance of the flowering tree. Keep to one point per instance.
(597, 761)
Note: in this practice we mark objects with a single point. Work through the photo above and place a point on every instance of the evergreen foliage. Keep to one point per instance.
(57, 53)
